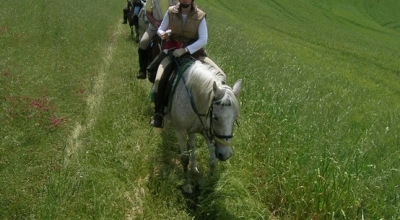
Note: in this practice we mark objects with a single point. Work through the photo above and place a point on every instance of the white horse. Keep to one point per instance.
(202, 103)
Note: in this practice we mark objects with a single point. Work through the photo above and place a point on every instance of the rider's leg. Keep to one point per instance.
(136, 10)
(164, 82)
(142, 63)
(135, 21)
(159, 86)
(153, 66)
(142, 52)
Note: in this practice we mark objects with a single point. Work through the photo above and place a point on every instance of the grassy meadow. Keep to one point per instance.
(318, 135)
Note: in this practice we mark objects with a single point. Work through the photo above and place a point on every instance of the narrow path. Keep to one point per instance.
(94, 99)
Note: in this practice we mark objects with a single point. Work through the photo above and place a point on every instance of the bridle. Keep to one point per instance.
(211, 132)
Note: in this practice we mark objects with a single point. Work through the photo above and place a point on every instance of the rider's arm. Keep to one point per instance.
(164, 26)
(149, 14)
(150, 17)
(203, 38)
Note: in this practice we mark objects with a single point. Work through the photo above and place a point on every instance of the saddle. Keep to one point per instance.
(155, 61)
(174, 79)
(170, 79)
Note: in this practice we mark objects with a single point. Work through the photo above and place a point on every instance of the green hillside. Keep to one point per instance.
(318, 134)
(322, 92)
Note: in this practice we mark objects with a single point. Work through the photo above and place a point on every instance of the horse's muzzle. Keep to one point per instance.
(223, 154)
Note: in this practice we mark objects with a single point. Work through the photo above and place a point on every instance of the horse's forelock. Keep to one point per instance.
(229, 98)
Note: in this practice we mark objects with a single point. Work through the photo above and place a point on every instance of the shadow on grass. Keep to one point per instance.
(167, 172)
(203, 202)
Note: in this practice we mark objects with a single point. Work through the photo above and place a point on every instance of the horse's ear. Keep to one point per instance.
(217, 92)
(237, 86)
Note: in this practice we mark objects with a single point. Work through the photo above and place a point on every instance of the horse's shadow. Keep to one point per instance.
(203, 184)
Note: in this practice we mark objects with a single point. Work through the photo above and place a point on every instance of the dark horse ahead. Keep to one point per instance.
(131, 14)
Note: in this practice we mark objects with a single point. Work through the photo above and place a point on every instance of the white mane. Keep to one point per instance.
(200, 80)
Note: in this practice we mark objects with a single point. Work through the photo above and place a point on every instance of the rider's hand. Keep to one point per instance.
(156, 24)
(164, 36)
(179, 52)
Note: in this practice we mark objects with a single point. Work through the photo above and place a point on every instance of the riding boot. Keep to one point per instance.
(136, 20)
(153, 66)
(157, 119)
(165, 78)
(161, 96)
(142, 63)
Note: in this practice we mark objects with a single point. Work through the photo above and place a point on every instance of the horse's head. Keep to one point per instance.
(225, 112)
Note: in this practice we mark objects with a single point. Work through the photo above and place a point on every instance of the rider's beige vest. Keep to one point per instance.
(188, 33)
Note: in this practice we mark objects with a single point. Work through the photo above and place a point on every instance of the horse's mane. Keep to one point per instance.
(200, 81)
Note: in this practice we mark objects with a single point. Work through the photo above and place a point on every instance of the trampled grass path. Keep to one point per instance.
(95, 98)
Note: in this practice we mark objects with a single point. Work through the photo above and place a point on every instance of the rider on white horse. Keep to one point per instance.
(189, 35)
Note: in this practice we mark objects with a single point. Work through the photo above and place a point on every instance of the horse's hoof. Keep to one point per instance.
(157, 121)
(141, 75)
(188, 189)
(195, 171)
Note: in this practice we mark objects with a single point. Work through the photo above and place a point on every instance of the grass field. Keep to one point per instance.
(319, 126)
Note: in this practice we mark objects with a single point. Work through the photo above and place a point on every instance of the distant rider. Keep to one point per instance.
(155, 10)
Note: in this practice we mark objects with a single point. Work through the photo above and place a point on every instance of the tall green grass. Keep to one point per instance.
(320, 104)
(318, 135)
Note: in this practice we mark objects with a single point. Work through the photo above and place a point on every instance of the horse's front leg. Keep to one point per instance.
(181, 136)
(213, 159)
(193, 163)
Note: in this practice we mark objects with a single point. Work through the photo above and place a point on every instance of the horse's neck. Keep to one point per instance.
(203, 95)
(202, 98)
(201, 81)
